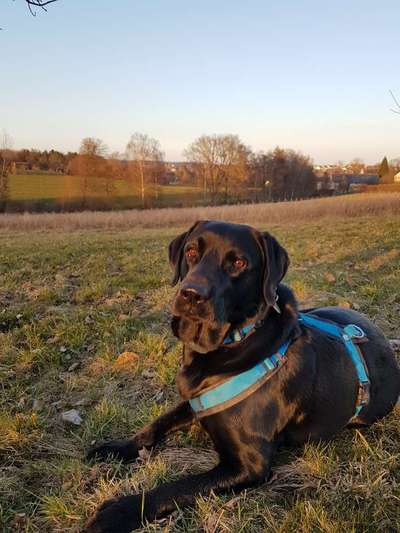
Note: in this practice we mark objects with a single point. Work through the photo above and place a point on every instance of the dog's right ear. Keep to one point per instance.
(175, 252)
(276, 263)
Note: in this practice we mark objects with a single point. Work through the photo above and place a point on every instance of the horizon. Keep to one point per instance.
(177, 72)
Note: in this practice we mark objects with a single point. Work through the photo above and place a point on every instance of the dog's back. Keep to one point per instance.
(383, 368)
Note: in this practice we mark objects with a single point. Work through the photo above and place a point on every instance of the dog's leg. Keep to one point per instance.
(128, 449)
(124, 514)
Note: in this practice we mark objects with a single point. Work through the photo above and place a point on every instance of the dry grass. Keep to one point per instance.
(271, 213)
(381, 187)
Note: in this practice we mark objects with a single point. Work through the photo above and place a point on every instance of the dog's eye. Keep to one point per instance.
(191, 253)
(240, 263)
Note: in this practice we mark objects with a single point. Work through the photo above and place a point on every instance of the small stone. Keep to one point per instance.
(73, 367)
(72, 416)
(37, 405)
(159, 397)
(63, 349)
(356, 306)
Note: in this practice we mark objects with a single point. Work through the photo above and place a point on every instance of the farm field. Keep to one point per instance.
(35, 190)
(73, 298)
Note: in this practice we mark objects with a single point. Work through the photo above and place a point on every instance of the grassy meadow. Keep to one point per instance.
(55, 192)
(84, 324)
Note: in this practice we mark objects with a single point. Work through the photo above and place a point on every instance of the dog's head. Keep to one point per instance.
(229, 274)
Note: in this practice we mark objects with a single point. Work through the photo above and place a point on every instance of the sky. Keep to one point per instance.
(303, 74)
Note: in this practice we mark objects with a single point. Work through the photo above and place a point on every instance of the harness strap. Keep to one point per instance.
(348, 335)
(236, 388)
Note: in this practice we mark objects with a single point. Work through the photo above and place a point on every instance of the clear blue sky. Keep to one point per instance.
(305, 74)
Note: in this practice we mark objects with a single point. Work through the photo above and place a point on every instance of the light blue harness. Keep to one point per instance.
(242, 385)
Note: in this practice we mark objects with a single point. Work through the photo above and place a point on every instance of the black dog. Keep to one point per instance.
(231, 277)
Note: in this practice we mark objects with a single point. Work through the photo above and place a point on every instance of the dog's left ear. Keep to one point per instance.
(276, 263)
(175, 252)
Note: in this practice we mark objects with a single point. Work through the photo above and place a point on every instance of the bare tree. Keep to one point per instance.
(222, 162)
(146, 156)
(5, 161)
(93, 147)
(396, 102)
(93, 169)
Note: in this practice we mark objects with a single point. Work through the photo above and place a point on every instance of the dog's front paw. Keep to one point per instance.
(119, 515)
(122, 450)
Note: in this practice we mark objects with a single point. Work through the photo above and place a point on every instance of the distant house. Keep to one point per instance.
(356, 182)
(396, 178)
(362, 179)
(330, 184)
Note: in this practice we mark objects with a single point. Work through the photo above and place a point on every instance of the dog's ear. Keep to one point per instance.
(276, 263)
(175, 252)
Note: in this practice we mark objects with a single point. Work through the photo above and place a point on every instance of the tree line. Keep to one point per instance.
(222, 166)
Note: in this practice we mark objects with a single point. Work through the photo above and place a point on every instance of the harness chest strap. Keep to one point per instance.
(239, 387)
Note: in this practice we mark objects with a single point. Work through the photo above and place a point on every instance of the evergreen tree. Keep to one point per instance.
(383, 169)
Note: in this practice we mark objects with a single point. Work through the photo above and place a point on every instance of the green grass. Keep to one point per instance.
(59, 188)
(70, 303)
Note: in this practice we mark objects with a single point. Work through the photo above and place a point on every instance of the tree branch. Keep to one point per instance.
(38, 3)
(396, 102)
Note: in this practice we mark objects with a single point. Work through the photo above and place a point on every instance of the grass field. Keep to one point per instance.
(47, 192)
(37, 186)
(71, 302)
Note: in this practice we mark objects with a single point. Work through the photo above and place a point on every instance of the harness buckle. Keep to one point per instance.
(354, 332)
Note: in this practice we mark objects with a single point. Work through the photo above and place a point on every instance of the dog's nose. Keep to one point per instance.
(194, 294)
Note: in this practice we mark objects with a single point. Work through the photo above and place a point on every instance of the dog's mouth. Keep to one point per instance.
(201, 336)
(201, 327)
